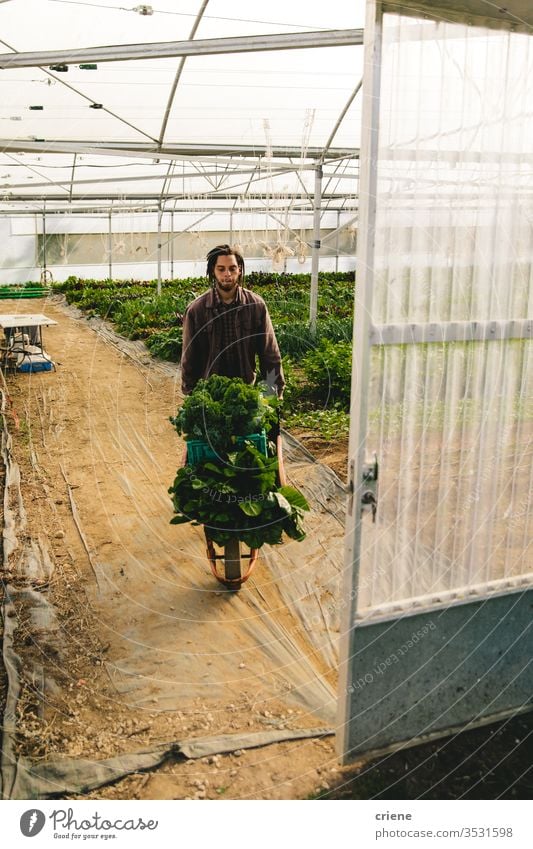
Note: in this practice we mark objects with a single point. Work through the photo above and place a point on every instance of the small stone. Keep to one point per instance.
(242, 666)
(238, 752)
(59, 535)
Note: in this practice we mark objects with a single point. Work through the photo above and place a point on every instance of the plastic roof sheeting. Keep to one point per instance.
(249, 107)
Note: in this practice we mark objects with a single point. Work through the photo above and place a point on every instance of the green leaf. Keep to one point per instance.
(211, 467)
(294, 496)
(251, 508)
(180, 520)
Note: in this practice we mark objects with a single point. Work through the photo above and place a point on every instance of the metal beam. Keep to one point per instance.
(170, 49)
(159, 246)
(164, 178)
(146, 150)
(339, 229)
(315, 256)
(211, 195)
(110, 243)
(126, 207)
(516, 15)
(451, 331)
(342, 116)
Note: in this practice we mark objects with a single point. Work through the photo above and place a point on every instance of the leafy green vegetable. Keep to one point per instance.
(221, 408)
(238, 496)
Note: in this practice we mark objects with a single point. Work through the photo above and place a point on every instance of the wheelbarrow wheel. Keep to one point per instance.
(232, 562)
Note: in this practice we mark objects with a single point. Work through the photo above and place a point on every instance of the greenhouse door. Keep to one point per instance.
(438, 593)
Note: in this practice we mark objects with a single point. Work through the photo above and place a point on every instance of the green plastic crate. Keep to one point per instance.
(198, 450)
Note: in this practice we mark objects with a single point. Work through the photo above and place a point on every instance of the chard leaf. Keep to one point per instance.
(251, 508)
(211, 467)
(294, 496)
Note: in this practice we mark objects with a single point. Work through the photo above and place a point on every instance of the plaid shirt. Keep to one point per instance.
(229, 362)
(219, 339)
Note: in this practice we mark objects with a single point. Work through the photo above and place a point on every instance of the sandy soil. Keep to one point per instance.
(96, 453)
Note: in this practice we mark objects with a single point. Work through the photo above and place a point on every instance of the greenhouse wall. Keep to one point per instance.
(73, 245)
(18, 257)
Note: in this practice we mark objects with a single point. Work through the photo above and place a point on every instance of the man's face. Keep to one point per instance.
(227, 276)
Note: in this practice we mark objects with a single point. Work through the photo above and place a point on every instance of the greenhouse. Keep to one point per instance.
(372, 163)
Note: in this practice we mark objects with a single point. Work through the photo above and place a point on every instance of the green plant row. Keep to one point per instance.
(139, 313)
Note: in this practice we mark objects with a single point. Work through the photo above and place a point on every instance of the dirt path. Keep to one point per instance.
(148, 648)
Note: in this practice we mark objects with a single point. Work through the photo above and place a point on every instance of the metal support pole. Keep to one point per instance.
(159, 218)
(110, 246)
(172, 245)
(337, 241)
(43, 272)
(317, 201)
(231, 228)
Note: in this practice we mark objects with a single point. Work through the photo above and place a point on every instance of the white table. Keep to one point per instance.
(23, 323)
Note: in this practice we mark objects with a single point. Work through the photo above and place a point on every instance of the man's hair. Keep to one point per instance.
(223, 250)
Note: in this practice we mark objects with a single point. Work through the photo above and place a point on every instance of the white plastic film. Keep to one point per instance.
(451, 421)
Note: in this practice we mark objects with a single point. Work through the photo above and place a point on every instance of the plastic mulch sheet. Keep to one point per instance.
(175, 635)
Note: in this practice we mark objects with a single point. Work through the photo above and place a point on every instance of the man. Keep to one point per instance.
(227, 327)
